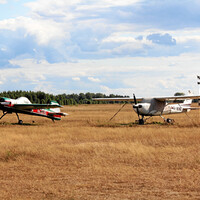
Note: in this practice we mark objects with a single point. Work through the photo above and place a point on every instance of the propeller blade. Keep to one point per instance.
(135, 101)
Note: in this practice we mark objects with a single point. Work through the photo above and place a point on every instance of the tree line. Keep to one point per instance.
(63, 99)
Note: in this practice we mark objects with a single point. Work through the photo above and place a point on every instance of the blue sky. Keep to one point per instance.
(111, 46)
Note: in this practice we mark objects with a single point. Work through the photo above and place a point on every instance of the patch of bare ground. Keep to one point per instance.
(84, 156)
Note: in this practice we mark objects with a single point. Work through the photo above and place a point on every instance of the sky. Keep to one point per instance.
(150, 48)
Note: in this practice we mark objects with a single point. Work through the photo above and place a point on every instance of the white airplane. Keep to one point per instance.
(24, 106)
(157, 106)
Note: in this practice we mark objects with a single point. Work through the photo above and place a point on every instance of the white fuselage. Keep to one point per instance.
(10, 102)
(157, 108)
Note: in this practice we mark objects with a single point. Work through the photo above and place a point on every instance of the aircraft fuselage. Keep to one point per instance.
(153, 107)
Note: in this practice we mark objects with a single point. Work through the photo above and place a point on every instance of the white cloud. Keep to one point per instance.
(120, 91)
(142, 76)
(93, 79)
(47, 87)
(45, 30)
(76, 79)
(186, 35)
(43, 5)
(99, 38)
(118, 2)
(3, 1)
(3, 49)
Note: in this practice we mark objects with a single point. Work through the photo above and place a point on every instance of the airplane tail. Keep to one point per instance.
(186, 105)
(188, 102)
(55, 109)
(55, 113)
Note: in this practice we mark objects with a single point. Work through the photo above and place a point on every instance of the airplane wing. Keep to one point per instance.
(57, 113)
(118, 99)
(30, 112)
(167, 98)
(34, 106)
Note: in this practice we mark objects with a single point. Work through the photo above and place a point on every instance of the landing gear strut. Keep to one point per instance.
(4, 113)
(19, 121)
(136, 106)
(141, 121)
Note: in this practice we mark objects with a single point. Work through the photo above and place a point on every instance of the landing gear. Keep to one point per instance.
(19, 121)
(4, 113)
(137, 107)
(141, 121)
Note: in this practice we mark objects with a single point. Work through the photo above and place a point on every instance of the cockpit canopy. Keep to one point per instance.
(22, 100)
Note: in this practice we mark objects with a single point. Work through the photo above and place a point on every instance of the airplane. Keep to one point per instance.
(24, 106)
(157, 106)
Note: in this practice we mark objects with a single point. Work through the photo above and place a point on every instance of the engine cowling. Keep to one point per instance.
(137, 106)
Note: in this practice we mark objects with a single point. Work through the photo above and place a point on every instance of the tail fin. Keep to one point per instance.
(188, 102)
(57, 110)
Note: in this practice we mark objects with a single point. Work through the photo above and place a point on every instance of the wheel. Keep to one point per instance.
(20, 122)
(141, 121)
(169, 120)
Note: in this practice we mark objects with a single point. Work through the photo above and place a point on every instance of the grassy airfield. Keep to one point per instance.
(84, 156)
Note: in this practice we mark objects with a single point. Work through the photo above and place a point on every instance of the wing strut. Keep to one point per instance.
(117, 112)
(19, 121)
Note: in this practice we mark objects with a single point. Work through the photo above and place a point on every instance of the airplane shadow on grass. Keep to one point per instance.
(131, 124)
(24, 124)
(151, 124)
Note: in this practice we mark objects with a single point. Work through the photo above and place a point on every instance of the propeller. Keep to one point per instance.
(136, 105)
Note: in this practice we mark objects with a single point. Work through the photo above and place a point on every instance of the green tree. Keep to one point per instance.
(179, 94)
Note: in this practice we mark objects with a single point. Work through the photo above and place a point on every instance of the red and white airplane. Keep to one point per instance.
(24, 106)
(157, 106)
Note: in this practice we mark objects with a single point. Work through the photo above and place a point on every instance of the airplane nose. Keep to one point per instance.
(137, 106)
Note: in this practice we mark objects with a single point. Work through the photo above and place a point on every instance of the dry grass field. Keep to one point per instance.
(85, 157)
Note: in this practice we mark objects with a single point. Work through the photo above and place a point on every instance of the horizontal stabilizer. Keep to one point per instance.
(57, 113)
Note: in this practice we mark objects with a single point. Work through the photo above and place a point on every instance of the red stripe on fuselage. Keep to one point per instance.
(10, 104)
(44, 112)
(40, 111)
